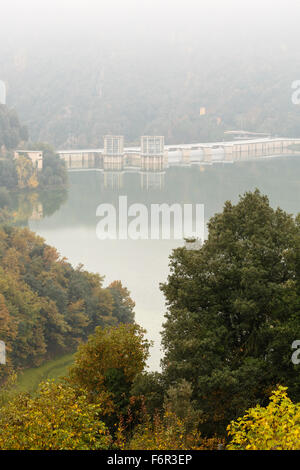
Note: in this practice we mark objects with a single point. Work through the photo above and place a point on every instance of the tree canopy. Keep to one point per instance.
(233, 310)
(108, 363)
(46, 305)
(11, 131)
(56, 418)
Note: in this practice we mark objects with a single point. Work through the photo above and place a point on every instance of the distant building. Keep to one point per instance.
(76, 159)
(152, 153)
(113, 153)
(152, 145)
(36, 156)
(113, 145)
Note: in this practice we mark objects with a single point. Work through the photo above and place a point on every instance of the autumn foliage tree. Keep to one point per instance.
(27, 174)
(8, 333)
(274, 427)
(56, 418)
(108, 363)
(47, 307)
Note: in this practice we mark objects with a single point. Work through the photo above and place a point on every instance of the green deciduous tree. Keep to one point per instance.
(234, 310)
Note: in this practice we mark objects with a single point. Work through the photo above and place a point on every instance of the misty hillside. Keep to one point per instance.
(78, 89)
(11, 131)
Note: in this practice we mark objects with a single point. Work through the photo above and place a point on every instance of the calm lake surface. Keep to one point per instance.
(142, 264)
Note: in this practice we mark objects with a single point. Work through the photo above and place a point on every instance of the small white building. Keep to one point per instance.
(36, 156)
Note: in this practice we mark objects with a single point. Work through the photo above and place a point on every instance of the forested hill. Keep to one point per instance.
(87, 91)
(19, 174)
(11, 131)
(46, 306)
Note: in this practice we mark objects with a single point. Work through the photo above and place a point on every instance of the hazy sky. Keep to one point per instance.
(208, 29)
(147, 16)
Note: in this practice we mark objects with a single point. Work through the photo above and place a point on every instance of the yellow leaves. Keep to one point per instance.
(33, 182)
(57, 418)
(27, 174)
(122, 349)
(275, 427)
(166, 433)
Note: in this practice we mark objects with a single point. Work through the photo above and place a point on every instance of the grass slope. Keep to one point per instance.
(29, 380)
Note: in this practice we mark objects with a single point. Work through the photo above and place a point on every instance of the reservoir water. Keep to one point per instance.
(142, 264)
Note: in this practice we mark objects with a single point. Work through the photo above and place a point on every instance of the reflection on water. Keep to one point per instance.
(141, 265)
(35, 205)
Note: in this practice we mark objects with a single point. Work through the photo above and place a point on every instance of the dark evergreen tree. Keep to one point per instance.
(234, 310)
